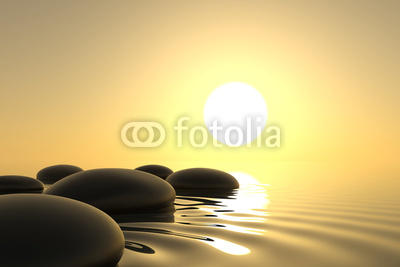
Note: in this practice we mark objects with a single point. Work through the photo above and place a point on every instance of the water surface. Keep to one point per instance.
(259, 225)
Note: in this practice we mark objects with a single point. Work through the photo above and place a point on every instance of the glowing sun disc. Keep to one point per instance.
(240, 112)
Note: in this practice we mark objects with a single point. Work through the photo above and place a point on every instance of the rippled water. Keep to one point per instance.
(258, 225)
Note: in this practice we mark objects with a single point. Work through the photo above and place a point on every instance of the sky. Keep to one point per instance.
(73, 73)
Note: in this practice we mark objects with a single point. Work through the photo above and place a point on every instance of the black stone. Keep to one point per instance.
(52, 174)
(11, 184)
(47, 231)
(117, 191)
(202, 178)
(208, 193)
(157, 170)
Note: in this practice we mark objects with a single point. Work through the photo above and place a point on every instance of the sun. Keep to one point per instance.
(235, 113)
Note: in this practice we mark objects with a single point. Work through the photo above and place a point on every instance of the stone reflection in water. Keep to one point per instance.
(164, 232)
(220, 244)
(228, 208)
(250, 200)
(167, 217)
(137, 247)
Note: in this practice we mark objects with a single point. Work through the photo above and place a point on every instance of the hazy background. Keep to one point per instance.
(72, 73)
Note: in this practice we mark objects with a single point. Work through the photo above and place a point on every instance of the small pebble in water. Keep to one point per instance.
(158, 170)
(202, 178)
(12, 184)
(52, 174)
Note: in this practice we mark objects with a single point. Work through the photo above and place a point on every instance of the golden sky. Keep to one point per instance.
(72, 73)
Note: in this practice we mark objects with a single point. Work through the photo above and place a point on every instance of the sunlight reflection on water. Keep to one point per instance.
(227, 247)
(260, 227)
